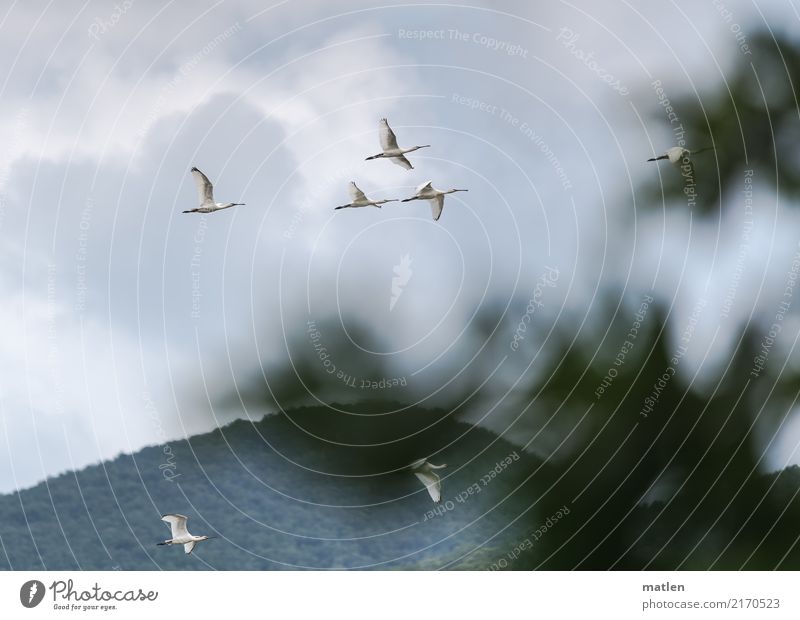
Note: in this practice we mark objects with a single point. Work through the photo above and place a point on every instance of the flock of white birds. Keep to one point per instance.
(422, 469)
(390, 150)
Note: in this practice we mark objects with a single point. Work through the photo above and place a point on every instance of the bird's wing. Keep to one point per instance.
(424, 186)
(417, 464)
(205, 191)
(437, 204)
(432, 482)
(356, 194)
(388, 139)
(187, 547)
(177, 524)
(402, 161)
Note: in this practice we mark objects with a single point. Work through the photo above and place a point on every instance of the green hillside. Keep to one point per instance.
(278, 497)
(319, 488)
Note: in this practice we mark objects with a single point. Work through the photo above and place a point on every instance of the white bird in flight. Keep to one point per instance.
(359, 199)
(205, 192)
(426, 474)
(390, 148)
(426, 191)
(180, 535)
(677, 154)
(680, 157)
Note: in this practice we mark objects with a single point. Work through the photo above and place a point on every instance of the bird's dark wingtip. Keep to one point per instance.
(194, 169)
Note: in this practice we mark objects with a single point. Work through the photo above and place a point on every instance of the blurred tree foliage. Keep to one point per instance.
(323, 486)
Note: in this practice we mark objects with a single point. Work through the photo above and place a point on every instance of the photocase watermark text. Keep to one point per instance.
(548, 279)
(744, 245)
(734, 26)
(350, 380)
(568, 39)
(453, 34)
(194, 265)
(528, 543)
(626, 347)
(101, 26)
(669, 372)
(784, 304)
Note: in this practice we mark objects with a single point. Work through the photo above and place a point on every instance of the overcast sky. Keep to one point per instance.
(125, 320)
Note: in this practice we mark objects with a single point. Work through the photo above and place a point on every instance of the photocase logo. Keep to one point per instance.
(31, 593)
(402, 275)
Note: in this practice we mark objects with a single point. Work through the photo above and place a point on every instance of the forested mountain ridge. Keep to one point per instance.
(278, 497)
(318, 488)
